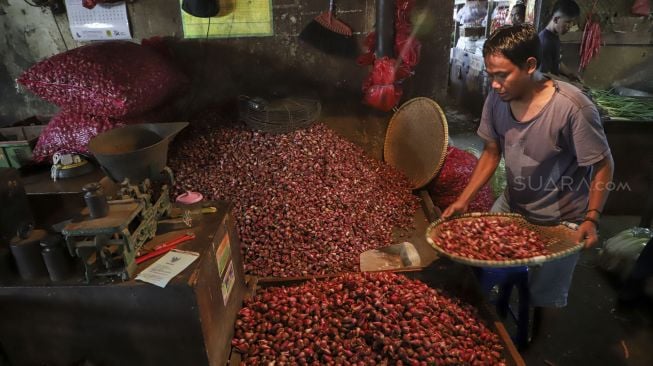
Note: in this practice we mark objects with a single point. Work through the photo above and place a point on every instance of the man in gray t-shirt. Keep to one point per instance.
(558, 161)
(549, 157)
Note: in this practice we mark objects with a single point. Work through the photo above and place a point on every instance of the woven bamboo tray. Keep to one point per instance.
(416, 140)
(560, 240)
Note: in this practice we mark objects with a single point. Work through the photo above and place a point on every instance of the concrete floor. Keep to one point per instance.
(592, 329)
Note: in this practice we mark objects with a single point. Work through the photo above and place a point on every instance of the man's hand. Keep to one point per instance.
(587, 232)
(603, 171)
(456, 208)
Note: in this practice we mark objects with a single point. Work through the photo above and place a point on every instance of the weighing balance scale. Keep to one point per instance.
(134, 159)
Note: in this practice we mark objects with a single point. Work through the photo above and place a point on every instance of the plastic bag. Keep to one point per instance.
(473, 12)
(500, 17)
(113, 79)
(70, 132)
(498, 182)
(368, 57)
(454, 177)
(408, 50)
(621, 251)
(641, 8)
(407, 47)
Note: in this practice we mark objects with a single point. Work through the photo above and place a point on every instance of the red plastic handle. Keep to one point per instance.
(164, 248)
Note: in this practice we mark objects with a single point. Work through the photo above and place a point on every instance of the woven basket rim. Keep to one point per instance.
(443, 154)
(536, 260)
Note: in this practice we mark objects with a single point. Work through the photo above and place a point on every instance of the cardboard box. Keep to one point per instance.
(16, 144)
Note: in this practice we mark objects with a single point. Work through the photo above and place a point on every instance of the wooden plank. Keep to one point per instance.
(613, 38)
(38, 181)
(511, 349)
(432, 212)
(118, 218)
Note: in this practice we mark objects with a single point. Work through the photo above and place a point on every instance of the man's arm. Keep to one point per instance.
(482, 173)
(602, 176)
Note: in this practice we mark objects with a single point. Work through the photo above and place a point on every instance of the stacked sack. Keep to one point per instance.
(454, 177)
(99, 87)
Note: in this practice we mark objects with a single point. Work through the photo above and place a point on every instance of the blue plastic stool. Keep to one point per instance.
(506, 279)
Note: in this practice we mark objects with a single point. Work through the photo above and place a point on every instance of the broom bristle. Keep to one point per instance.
(327, 20)
(328, 41)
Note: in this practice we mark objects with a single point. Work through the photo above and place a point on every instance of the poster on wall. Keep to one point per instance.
(236, 18)
(103, 22)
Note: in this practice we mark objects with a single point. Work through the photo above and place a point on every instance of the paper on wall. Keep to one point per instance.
(103, 22)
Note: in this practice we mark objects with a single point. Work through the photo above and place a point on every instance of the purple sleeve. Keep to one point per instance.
(587, 136)
(487, 130)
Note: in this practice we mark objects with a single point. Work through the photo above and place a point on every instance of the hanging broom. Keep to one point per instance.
(330, 35)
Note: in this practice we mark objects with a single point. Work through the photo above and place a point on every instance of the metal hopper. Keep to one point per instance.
(135, 152)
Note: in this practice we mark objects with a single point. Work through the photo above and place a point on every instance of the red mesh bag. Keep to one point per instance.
(382, 88)
(369, 44)
(454, 177)
(70, 132)
(160, 45)
(379, 89)
(408, 48)
(113, 79)
(403, 10)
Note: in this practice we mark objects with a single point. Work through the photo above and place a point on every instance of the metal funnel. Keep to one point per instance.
(136, 152)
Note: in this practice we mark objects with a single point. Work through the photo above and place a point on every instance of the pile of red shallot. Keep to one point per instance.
(489, 239)
(363, 319)
(307, 202)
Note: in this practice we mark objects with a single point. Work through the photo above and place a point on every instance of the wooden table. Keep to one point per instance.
(132, 322)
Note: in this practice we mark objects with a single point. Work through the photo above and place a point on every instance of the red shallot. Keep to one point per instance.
(489, 239)
(306, 202)
(363, 319)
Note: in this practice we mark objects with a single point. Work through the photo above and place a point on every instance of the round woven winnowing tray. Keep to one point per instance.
(416, 140)
(560, 240)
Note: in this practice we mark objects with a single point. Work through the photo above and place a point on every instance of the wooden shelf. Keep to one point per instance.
(614, 38)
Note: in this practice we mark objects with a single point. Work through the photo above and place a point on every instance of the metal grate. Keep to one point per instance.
(278, 116)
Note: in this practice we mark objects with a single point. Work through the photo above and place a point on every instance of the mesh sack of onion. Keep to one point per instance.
(454, 177)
